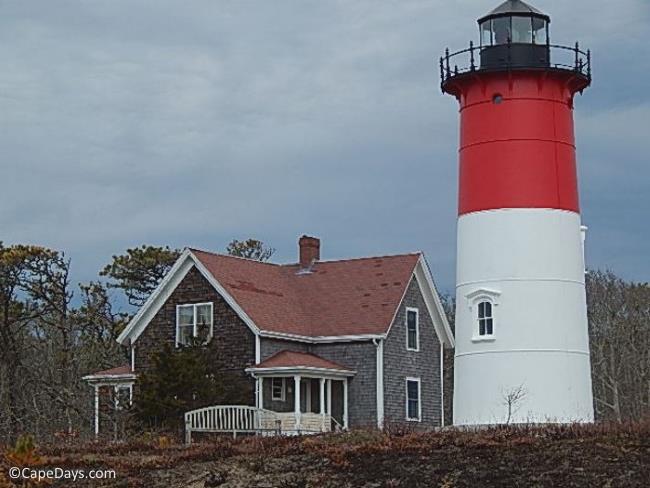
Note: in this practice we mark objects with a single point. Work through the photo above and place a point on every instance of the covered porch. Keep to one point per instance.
(113, 393)
(305, 392)
(296, 393)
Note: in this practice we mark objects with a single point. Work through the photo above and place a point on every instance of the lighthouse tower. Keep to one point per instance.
(522, 347)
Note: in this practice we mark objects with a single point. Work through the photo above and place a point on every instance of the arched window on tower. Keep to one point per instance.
(483, 306)
(485, 319)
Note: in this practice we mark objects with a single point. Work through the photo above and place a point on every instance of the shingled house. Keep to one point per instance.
(325, 344)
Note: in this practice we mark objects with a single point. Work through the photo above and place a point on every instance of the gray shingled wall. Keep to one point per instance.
(400, 364)
(233, 343)
(362, 396)
(269, 347)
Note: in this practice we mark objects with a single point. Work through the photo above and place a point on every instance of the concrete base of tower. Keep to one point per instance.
(506, 389)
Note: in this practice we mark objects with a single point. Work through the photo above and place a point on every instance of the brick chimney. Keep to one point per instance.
(309, 251)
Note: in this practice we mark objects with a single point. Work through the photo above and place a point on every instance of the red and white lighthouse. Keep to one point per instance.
(522, 346)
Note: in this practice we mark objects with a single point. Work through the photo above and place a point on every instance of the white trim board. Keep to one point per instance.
(300, 370)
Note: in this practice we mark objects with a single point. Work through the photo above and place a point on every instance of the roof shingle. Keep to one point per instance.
(294, 359)
(337, 298)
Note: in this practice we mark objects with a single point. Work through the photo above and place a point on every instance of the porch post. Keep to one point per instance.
(260, 392)
(296, 402)
(321, 397)
(345, 403)
(329, 402)
(96, 411)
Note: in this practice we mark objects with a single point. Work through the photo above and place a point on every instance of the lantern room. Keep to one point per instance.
(514, 37)
(514, 34)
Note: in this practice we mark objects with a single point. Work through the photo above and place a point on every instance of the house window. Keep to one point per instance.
(193, 321)
(412, 329)
(278, 389)
(413, 407)
(123, 396)
(485, 319)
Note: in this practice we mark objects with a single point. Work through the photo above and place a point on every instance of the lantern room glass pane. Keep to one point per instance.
(486, 33)
(539, 31)
(522, 30)
(501, 30)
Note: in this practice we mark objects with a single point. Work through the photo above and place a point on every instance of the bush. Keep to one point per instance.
(182, 380)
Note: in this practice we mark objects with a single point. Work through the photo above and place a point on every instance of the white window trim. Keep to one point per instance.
(476, 297)
(195, 316)
(283, 392)
(417, 328)
(406, 389)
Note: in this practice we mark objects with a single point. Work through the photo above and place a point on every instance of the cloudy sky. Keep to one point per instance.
(125, 122)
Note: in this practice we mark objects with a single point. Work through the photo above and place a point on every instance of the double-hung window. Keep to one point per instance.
(413, 405)
(485, 319)
(193, 321)
(278, 386)
(412, 329)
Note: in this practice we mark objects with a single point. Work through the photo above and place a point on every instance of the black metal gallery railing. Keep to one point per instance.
(474, 59)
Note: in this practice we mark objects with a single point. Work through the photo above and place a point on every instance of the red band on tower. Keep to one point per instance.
(517, 147)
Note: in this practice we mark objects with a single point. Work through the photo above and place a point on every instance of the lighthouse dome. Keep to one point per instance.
(515, 7)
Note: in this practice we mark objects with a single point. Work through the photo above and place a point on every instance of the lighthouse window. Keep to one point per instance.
(522, 30)
(485, 319)
(539, 31)
(501, 28)
(486, 33)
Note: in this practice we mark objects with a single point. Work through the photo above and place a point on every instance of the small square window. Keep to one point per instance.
(278, 389)
(123, 394)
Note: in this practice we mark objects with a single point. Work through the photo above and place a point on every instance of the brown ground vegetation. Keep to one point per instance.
(616, 455)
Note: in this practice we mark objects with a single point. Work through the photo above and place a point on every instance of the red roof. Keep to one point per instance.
(293, 359)
(119, 371)
(346, 297)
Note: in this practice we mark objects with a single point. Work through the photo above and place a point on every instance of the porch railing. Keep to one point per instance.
(242, 419)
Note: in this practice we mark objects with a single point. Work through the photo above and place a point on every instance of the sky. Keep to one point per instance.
(192, 123)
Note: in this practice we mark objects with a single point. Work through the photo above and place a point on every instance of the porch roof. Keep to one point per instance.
(288, 362)
(115, 374)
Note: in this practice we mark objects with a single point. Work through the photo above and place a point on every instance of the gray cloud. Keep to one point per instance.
(190, 123)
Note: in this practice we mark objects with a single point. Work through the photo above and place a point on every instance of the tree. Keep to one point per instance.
(512, 399)
(15, 316)
(449, 305)
(619, 330)
(183, 380)
(138, 272)
(250, 249)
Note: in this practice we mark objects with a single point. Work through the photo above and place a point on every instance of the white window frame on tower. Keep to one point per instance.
(417, 328)
(474, 299)
(194, 307)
